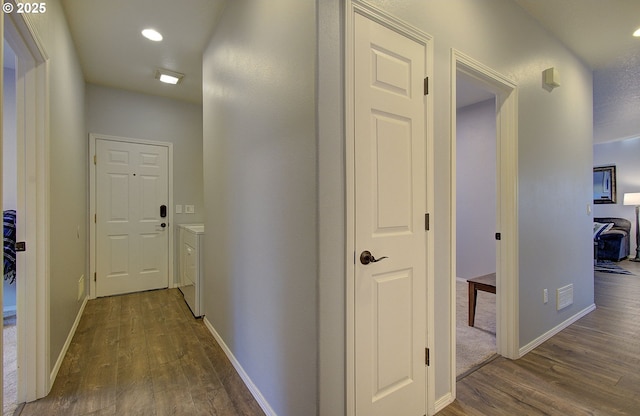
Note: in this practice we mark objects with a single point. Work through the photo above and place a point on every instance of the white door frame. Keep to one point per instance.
(375, 14)
(507, 303)
(92, 205)
(32, 113)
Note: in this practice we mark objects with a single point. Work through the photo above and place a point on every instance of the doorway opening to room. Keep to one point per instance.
(10, 214)
(498, 246)
(476, 197)
(30, 180)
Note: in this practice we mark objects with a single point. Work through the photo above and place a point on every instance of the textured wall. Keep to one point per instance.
(476, 190)
(9, 167)
(68, 173)
(261, 187)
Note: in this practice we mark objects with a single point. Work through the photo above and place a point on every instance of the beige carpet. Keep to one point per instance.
(10, 400)
(476, 344)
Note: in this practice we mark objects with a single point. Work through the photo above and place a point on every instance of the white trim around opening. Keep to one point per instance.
(32, 110)
(507, 304)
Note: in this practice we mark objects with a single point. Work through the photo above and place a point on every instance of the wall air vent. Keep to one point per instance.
(564, 296)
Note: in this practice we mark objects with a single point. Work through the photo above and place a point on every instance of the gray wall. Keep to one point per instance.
(261, 195)
(9, 136)
(9, 168)
(476, 190)
(68, 169)
(135, 115)
(624, 155)
(331, 209)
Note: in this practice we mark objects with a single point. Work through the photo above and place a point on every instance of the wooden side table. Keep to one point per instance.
(486, 283)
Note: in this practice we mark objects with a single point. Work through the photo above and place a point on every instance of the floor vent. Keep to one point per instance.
(564, 296)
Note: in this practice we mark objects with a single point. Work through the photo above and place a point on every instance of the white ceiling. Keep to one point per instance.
(113, 53)
(599, 31)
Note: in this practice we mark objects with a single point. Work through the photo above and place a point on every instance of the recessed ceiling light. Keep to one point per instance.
(168, 77)
(637, 33)
(152, 34)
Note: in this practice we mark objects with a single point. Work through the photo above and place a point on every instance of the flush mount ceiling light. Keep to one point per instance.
(152, 34)
(168, 77)
(637, 33)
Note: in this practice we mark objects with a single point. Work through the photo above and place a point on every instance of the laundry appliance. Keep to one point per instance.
(191, 265)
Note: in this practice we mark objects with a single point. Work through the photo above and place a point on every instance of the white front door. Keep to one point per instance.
(132, 245)
(390, 207)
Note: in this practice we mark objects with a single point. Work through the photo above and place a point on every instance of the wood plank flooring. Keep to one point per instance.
(590, 368)
(144, 354)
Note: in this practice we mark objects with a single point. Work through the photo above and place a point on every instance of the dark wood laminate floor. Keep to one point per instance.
(590, 368)
(144, 354)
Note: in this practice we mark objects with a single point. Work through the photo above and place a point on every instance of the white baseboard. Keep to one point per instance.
(245, 377)
(443, 402)
(65, 347)
(553, 331)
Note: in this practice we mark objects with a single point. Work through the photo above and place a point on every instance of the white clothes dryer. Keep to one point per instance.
(191, 266)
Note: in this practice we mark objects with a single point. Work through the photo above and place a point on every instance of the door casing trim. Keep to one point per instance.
(507, 301)
(32, 95)
(92, 205)
(382, 17)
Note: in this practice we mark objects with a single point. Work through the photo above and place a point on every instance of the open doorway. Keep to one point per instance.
(476, 211)
(505, 234)
(10, 212)
(30, 83)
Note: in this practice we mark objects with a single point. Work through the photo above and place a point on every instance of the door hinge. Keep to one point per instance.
(498, 236)
(426, 356)
(95, 277)
(95, 218)
(20, 246)
(95, 160)
(426, 86)
(426, 221)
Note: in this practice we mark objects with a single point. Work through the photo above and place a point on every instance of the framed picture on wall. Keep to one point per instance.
(604, 185)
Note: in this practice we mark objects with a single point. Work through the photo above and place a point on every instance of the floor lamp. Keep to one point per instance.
(634, 199)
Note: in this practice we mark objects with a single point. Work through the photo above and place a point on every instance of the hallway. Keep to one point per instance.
(145, 354)
(589, 368)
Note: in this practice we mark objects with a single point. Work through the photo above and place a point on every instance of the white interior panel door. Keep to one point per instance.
(390, 205)
(132, 245)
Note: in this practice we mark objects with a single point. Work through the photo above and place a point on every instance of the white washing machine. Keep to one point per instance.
(191, 265)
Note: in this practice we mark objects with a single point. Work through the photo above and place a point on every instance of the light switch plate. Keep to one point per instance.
(189, 209)
(178, 209)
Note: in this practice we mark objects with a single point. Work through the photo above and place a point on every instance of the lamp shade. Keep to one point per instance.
(631, 198)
